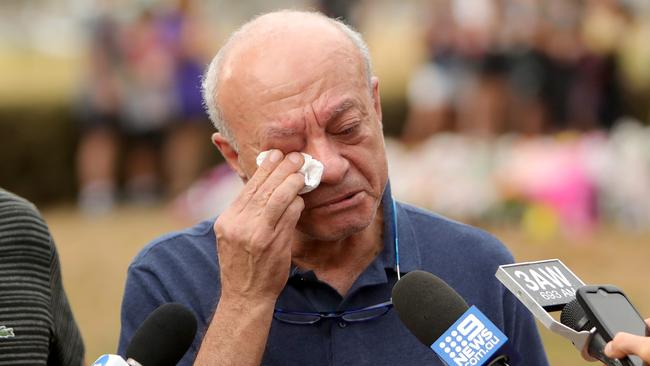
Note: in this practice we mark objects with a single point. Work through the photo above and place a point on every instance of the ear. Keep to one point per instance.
(229, 153)
(376, 99)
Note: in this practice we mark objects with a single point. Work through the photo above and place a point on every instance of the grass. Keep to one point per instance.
(95, 254)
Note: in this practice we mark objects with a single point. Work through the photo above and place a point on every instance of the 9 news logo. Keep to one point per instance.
(470, 341)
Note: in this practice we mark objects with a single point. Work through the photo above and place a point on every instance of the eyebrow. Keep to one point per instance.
(340, 108)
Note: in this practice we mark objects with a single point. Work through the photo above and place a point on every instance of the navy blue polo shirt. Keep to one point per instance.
(182, 267)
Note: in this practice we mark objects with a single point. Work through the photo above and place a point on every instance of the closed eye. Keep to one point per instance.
(348, 131)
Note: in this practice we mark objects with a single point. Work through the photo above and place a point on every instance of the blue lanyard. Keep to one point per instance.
(396, 239)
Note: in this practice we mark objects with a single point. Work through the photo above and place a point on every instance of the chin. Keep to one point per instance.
(336, 226)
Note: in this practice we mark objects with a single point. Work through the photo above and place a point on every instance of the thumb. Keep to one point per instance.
(625, 344)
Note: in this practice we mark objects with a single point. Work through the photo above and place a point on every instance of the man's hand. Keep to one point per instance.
(625, 344)
(254, 235)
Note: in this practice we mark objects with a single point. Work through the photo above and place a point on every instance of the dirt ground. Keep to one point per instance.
(95, 253)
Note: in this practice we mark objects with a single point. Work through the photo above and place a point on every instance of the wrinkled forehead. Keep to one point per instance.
(274, 74)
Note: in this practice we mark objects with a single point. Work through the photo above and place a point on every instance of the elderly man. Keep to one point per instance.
(287, 279)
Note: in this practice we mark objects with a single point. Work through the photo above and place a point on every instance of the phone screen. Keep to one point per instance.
(616, 313)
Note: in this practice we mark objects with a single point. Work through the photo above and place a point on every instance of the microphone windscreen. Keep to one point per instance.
(427, 305)
(574, 316)
(164, 337)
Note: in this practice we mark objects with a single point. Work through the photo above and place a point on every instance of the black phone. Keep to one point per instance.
(611, 312)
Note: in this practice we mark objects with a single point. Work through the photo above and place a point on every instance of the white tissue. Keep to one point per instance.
(312, 169)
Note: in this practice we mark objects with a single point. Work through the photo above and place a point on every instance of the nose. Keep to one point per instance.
(335, 165)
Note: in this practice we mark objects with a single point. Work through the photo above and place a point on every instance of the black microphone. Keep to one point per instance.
(574, 317)
(432, 310)
(163, 338)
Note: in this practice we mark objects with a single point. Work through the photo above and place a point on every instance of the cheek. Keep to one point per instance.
(369, 158)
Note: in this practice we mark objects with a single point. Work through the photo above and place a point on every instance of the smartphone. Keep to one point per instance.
(611, 312)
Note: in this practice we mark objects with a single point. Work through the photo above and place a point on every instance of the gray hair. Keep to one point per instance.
(210, 82)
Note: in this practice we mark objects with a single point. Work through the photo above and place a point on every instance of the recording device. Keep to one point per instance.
(574, 317)
(591, 315)
(439, 318)
(161, 340)
(611, 312)
(543, 287)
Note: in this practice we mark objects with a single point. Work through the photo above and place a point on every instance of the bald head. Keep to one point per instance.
(269, 51)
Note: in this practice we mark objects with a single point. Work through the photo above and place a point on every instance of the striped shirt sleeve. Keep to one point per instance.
(36, 323)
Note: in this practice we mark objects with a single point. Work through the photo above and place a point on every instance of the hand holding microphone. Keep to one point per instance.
(591, 315)
(625, 344)
(574, 317)
(608, 309)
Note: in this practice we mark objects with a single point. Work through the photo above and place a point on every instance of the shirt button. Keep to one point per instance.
(343, 324)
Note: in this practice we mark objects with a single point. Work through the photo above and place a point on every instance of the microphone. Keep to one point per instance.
(439, 318)
(547, 286)
(164, 337)
(574, 317)
(110, 360)
(161, 340)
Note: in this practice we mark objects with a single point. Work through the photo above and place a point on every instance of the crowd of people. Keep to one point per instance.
(140, 106)
(534, 66)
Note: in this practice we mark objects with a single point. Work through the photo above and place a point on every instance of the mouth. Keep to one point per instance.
(341, 201)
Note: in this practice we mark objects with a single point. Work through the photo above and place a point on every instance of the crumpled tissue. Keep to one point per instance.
(312, 169)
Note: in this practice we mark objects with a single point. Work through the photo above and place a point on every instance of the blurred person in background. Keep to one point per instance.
(629, 27)
(433, 88)
(185, 36)
(580, 89)
(462, 87)
(330, 250)
(36, 323)
(149, 103)
(99, 109)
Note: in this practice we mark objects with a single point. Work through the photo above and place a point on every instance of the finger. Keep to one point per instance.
(289, 165)
(281, 198)
(647, 321)
(272, 160)
(624, 344)
(291, 215)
